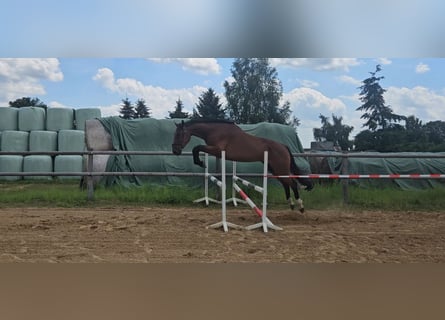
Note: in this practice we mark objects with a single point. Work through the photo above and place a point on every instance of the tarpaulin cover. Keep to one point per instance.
(157, 135)
(407, 165)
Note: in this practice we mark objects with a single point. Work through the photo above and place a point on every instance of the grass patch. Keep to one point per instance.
(68, 194)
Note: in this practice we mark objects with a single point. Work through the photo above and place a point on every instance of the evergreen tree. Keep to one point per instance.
(209, 106)
(27, 102)
(376, 113)
(141, 110)
(254, 95)
(178, 113)
(337, 132)
(127, 110)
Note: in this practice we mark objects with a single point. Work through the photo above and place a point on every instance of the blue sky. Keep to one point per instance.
(415, 86)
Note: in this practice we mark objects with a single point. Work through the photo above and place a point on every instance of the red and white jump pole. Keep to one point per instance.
(265, 222)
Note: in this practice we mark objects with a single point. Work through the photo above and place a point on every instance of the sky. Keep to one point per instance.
(313, 86)
(94, 53)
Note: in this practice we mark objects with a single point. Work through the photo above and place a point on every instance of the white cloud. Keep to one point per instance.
(422, 102)
(422, 68)
(349, 80)
(56, 104)
(317, 64)
(204, 66)
(384, 61)
(308, 98)
(21, 77)
(109, 111)
(158, 99)
(308, 83)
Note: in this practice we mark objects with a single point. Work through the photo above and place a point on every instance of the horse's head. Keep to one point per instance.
(181, 138)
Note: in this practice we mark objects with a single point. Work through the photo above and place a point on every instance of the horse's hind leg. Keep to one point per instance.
(294, 187)
(285, 183)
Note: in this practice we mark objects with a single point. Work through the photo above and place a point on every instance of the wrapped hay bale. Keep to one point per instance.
(59, 119)
(31, 118)
(37, 163)
(71, 141)
(43, 141)
(67, 163)
(11, 163)
(96, 137)
(9, 118)
(14, 141)
(81, 115)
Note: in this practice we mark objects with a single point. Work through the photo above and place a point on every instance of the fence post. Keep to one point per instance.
(345, 182)
(90, 184)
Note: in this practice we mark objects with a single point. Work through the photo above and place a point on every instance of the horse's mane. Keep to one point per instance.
(204, 120)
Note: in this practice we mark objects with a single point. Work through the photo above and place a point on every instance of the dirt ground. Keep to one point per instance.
(180, 235)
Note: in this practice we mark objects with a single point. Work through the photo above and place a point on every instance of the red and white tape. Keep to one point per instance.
(365, 176)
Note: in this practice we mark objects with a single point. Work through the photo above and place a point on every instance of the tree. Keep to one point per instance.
(377, 114)
(141, 110)
(337, 132)
(209, 106)
(178, 113)
(254, 95)
(127, 110)
(27, 102)
(435, 132)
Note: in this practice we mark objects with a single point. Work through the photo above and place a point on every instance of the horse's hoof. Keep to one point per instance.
(292, 207)
(200, 163)
(302, 210)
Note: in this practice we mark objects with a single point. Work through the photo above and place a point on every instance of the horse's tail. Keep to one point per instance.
(295, 170)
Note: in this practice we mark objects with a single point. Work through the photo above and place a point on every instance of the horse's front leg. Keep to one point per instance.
(196, 160)
(213, 150)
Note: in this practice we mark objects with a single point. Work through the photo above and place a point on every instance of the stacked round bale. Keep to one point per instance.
(38, 130)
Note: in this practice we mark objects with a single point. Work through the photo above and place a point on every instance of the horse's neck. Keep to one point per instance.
(199, 131)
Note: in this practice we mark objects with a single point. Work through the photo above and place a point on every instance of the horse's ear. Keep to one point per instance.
(182, 123)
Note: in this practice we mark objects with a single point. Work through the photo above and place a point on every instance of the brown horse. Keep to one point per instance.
(240, 146)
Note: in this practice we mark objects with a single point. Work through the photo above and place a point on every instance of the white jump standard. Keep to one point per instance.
(222, 185)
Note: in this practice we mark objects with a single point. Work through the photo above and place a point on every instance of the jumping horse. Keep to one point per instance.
(240, 146)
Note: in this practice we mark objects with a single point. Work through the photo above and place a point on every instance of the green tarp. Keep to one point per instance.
(157, 135)
(410, 164)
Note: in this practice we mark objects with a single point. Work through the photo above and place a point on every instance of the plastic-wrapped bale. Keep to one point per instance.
(96, 137)
(38, 163)
(68, 163)
(59, 119)
(11, 163)
(31, 118)
(43, 141)
(8, 118)
(71, 141)
(81, 115)
(14, 141)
